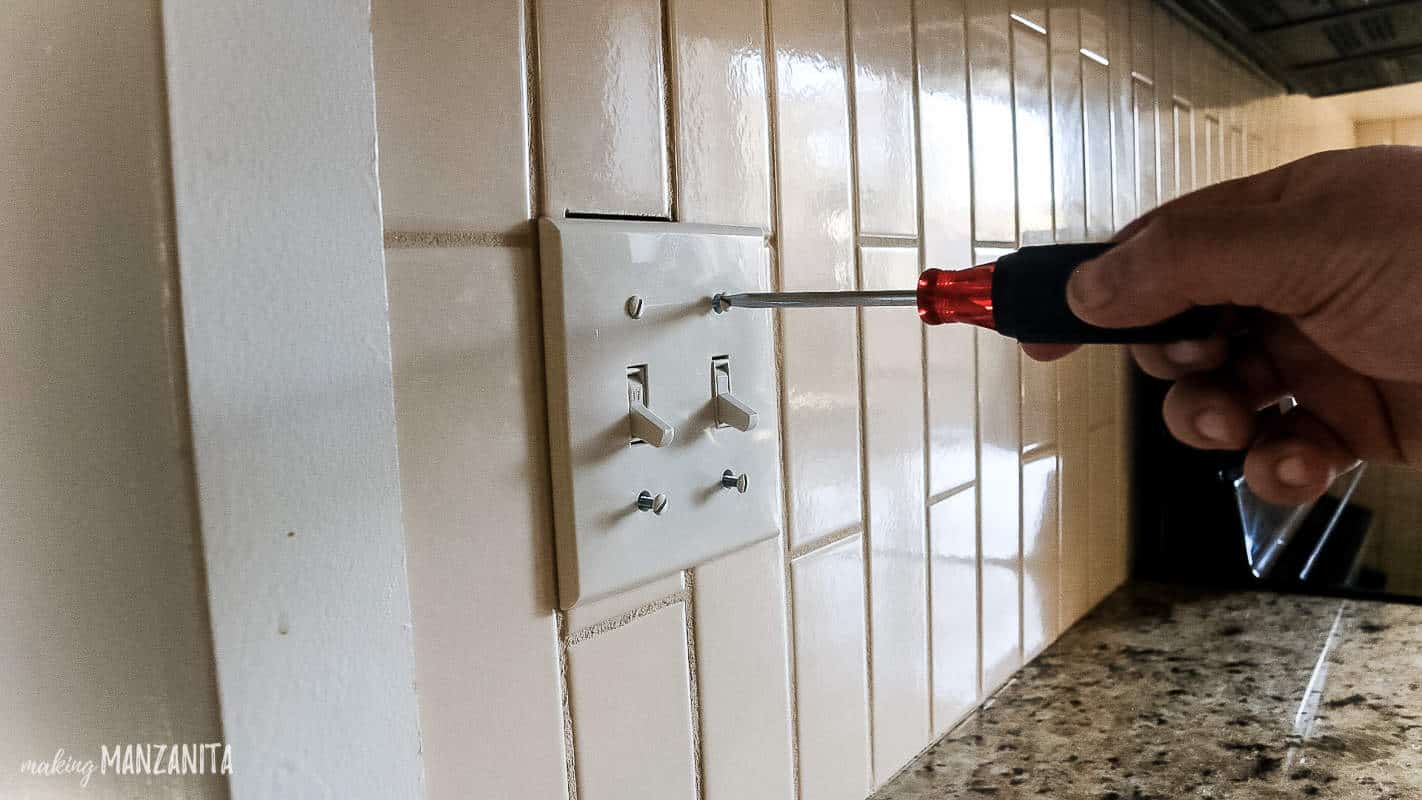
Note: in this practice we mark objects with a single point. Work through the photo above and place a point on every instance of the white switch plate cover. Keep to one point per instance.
(590, 269)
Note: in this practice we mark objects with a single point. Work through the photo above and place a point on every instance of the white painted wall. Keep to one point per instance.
(103, 626)
(284, 308)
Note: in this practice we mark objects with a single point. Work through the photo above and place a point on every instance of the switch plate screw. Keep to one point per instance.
(655, 504)
(635, 306)
(731, 480)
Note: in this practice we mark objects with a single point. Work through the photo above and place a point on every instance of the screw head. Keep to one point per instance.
(731, 480)
(656, 504)
(635, 306)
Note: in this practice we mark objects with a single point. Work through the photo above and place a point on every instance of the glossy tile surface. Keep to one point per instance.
(1068, 156)
(1039, 403)
(954, 575)
(897, 527)
(820, 378)
(632, 715)
(1073, 451)
(1096, 122)
(1105, 492)
(1032, 121)
(452, 116)
(743, 676)
(1123, 140)
(1162, 24)
(469, 400)
(601, 105)
(999, 493)
(990, 84)
(1041, 552)
(884, 116)
(831, 683)
(722, 126)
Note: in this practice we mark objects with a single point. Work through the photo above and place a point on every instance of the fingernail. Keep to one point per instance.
(1187, 352)
(1212, 425)
(1092, 285)
(1293, 471)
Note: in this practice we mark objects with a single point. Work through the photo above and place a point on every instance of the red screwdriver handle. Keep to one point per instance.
(1023, 296)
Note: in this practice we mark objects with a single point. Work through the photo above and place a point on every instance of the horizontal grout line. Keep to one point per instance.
(1142, 78)
(998, 245)
(400, 240)
(613, 623)
(824, 542)
(887, 240)
(935, 499)
(1027, 23)
(1095, 56)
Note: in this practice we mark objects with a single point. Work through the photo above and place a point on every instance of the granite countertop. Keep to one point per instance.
(1165, 692)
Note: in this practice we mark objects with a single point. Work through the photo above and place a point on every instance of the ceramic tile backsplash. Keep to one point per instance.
(949, 507)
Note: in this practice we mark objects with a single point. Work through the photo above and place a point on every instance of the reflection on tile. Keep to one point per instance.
(955, 607)
(601, 107)
(1041, 553)
(1073, 451)
(999, 419)
(883, 113)
(898, 557)
(722, 135)
(451, 160)
(830, 681)
(1096, 105)
(1068, 167)
(742, 675)
(632, 716)
(990, 81)
(587, 614)
(469, 400)
(1039, 403)
(821, 380)
(1033, 124)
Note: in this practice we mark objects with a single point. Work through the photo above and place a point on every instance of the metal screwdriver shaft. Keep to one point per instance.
(721, 302)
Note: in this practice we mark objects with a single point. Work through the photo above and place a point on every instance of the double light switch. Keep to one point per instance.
(663, 454)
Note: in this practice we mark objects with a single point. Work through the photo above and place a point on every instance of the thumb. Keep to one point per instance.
(1195, 257)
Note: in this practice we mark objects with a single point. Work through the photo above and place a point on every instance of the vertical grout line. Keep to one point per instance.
(977, 386)
(693, 684)
(856, 254)
(669, 122)
(923, 361)
(772, 126)
(1017, 241)
(537, 192)
(570, 761)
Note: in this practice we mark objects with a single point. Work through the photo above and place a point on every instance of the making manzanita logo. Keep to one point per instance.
(205, 758)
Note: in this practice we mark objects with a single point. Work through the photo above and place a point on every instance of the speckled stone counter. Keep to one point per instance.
(1165, 692)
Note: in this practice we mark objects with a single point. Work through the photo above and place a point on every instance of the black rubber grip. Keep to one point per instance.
(1029, 302)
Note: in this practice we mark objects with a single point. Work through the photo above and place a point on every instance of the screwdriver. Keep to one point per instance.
(1022, 295)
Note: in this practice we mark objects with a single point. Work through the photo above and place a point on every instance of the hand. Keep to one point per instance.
(1323, 260)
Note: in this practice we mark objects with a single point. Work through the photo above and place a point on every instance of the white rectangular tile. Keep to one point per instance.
(587, 614)
(820, 378)
(1123, 140)
(1103, 544)
(451, 109)
(468, 372)
(955, 607)
(1147, 155)
(897, 528)
(1039, 403)
(830, 682)
(743, 675)
(1093, 25)
(1104, 384)
(1032, 122)
(1164, 26)
(1096, 133)
(601, 107)
(990, 84)
(1068, 156)
(722, 131)
(999, 414)
(884, 116)
(1074, 481)
(1041, 553)
(631, 705)
(947, 239)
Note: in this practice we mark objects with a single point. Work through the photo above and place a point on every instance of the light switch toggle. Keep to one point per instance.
(646, 425)
(729, 410)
